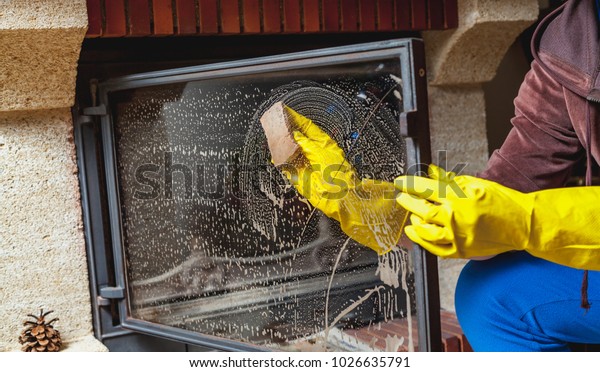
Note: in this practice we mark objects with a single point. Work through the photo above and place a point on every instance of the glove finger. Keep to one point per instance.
(441, 250)
(423, 187)
(439, 173)
(416, 220)
(427, 211)
(413, 204)
(430, 232)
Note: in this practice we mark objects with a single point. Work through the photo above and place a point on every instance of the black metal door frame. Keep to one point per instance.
(102, 215)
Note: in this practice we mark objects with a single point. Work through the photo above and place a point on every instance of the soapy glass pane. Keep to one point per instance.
(218, 242)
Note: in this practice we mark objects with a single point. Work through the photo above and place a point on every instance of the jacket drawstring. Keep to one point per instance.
(588, 182)
(584, 291)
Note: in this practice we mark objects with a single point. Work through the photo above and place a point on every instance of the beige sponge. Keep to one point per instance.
(278, 129)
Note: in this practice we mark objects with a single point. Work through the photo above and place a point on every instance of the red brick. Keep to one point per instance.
(451, 13)
(115, 18)
(209, 19)
(331, 16)
(436, 15)
(349, 15)
(251, 9)
(385, 15)
(230, 16)
(139, 17)
(94, 11)
(271, 16)
(186, 16)
(403, 15)
(367, 15)
(162, 11)
(419, 15)
(311, 15)
(291, 16)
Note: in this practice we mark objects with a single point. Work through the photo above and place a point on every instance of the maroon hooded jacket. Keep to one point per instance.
(557, 108)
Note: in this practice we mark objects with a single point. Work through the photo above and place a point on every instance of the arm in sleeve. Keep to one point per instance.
(542, 147)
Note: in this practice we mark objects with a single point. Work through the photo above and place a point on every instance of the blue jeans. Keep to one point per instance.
(516, 302)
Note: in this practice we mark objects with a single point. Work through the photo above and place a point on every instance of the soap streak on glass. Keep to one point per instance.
(216, 239)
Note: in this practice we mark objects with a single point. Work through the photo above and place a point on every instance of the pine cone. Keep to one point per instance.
(40, 335)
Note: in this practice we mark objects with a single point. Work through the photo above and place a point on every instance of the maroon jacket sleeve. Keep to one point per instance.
(542, 146)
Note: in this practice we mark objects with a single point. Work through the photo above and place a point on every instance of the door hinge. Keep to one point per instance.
(99, 110)
(112, 293)
(408, 124)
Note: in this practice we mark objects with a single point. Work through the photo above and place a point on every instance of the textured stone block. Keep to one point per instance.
(472, 52)
(39, 49)
(42, 248)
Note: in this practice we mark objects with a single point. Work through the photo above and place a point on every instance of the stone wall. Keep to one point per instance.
(42, 249)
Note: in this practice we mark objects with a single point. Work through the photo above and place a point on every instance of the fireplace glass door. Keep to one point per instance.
(212, 244)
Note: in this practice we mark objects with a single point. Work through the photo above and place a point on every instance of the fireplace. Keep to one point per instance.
(195, 236)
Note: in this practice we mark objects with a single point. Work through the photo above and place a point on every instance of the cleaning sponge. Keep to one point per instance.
(278, 128)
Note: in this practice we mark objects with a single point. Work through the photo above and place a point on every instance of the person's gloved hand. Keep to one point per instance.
(366, 209)
(464, 217)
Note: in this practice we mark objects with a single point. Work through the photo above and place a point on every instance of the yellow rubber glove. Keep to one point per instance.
(464, 217)
(366, 209)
